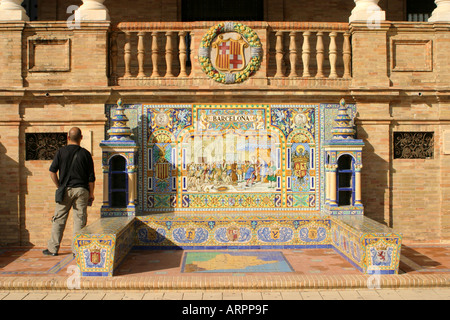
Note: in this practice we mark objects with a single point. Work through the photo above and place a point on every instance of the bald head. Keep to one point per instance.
(75, 135)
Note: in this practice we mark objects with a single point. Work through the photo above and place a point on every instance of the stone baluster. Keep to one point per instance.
(367, 10)
(114, 51)
(127, 54)
(169, 54)
(442, 11)
(183, 57)
(306, 53)
(93, 10)
(279, 54)
(141, 54)
(155, 53)
(293, 54)
(11, 10)
(347, 56)
(333, 55)
(319, 55)
(192, 56)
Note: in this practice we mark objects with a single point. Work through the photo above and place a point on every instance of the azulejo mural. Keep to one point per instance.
(230, 52)
(234, 156)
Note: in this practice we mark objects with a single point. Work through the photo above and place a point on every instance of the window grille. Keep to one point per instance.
(43, 146)
(413, 145)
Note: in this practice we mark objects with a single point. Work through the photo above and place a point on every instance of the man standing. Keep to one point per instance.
(79, 191)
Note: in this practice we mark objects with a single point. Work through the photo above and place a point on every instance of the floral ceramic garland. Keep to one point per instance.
(255, 47)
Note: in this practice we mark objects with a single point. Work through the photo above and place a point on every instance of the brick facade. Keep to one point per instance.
(275, 10)
(391, 94)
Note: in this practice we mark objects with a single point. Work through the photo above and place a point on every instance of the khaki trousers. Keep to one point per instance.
(76, 198)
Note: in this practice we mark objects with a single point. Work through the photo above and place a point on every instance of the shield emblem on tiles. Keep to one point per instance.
(300, 169)
(233, 233)
(275, 233)
(190, 233)
(229, 54)
(312, 234)
(162, 170)
(95, 256)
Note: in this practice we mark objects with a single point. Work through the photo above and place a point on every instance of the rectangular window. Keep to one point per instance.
(31, 6)
(413, 145)
(222, 10)
(43, 146)
(419, 10)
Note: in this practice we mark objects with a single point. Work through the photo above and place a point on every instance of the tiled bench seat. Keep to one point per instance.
(370, 246)
(103, 245)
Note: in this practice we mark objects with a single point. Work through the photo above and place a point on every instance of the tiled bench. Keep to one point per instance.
(371, 247)
(368, 245)
(102, 245)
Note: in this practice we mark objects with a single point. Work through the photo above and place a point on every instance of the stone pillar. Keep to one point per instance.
(132, 187)
(327, 184)
(442, 11)
(106, 186)
(93, 10)
(358, 200)
(367, 10)
(11, 10)
(370, 43)
(11, 37)
(333, 186)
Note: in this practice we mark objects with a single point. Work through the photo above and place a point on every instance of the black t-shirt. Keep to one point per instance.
(83, 167)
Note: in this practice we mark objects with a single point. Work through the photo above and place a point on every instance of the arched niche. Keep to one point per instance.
(118, 182)
(345, 191)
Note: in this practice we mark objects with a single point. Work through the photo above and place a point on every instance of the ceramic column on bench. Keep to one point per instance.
(343, 163)
(101, 246)
(119, 154)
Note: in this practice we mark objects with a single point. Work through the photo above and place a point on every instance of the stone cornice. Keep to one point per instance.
(403, 25)
(12, 26)
(54, 26)
(356, 94)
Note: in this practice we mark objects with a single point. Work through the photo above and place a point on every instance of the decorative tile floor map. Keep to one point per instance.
(235, 262)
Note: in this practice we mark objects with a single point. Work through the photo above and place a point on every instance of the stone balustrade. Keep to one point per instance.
(142, 53)
(322, 45)
(141, 48)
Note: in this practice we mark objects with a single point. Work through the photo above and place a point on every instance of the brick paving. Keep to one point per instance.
(155, 275)
(363, 294)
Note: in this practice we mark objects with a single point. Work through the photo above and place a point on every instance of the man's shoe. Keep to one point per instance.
(48, 253)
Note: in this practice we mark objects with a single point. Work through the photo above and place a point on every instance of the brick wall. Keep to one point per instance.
(416, 191)
(10, 170)
(169, 10)
(38, 189)
(402, 67)
(412, 196)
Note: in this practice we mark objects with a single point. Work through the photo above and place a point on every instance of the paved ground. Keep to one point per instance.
(359, 294)
(318, 274)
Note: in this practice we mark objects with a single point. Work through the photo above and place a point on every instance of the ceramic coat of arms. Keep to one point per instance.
(230, 52)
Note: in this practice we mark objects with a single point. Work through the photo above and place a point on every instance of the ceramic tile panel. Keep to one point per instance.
(192, 232)
(102, 245)
(234, 177)
(370, 246)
